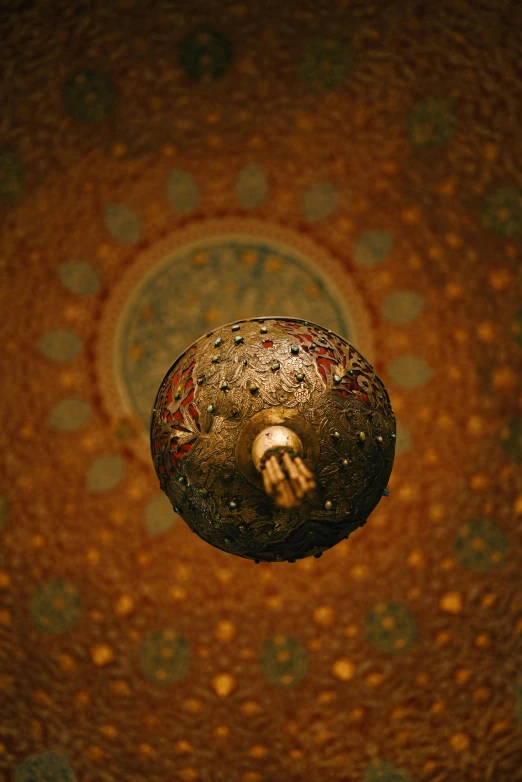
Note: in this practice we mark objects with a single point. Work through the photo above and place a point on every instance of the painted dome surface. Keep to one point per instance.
(169, 167)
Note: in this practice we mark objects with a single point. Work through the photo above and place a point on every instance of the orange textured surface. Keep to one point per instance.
(163, 170)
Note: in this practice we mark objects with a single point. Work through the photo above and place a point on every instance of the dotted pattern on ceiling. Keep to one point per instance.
(162, 171)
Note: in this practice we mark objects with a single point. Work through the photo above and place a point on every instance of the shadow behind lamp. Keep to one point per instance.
(273, 438)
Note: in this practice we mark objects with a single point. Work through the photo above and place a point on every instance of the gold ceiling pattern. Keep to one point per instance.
(163, 170)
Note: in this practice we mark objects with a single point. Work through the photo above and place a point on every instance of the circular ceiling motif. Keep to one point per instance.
(45, 766)
(56, 607)
(79, 278)
(11, 175)
(502, 212)
(89, 96)
(481, 545)
(205, 55)
(202, 277)
(325, 64)
(284, 661)
(391, 628)
(165, 657)
(431, 122)
(131, 649)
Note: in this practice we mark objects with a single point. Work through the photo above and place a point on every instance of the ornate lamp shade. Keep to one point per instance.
(273, 438)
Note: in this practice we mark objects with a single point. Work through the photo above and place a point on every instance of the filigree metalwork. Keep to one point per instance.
(221, 392)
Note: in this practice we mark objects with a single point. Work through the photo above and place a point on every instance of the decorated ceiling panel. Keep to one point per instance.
(166, 168)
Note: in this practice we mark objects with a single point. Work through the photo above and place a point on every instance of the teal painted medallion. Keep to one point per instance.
(165, 657)
(11, 175)
(89, 96)
(391, 628)
(284, 661)
(502, 212)
(205, 55)
(511, 438)
(52, 766)
(431, 123)
(325, 64)
(481, 545)
(382, 771)
(56, 607)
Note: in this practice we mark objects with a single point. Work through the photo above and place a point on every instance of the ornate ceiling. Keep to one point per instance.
(165, 169)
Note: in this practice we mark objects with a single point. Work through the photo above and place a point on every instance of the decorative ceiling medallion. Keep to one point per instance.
(206, 274)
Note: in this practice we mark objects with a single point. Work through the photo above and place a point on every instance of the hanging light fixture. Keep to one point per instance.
(273, 438)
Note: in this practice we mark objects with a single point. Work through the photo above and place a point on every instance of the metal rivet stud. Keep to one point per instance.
(238, 339)
(232, 505)
(336, 436)
(345, 463)
(245, 362)
(379, 439)
(336, 379)
(263, 330)
(177, 395)
(210, 409)
(181, 479)
(275, 366)
(328, 505)
(253, 388)
(218, 342)
(300, 377)
(215, 359)
(295, 349)
(361, 436)
(236, 327)
(394, 436)
(224, 385)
